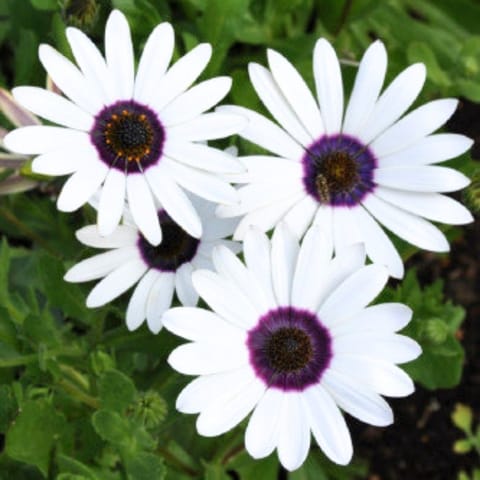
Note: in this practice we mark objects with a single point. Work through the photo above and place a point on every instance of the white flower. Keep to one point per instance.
(349, 170)
(291, 337)
(135, 134)
(159, 270)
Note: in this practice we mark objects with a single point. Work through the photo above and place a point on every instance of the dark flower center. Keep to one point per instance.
(289, 348)
(177, 246)
(338, 170)
(128, 136)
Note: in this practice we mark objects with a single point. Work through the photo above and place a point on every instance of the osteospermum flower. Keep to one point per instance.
(291, 337)
(350, 170)
(159, 270)
(135, 134)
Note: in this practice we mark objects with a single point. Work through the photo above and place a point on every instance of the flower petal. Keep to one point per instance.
(328, 81)
(112, 201)
(186, 293)
(116, 283)
(122, 236)
(159, 300)
(368, 83)
(154, 61)
(53, 107)
(137, 306)
(411, 228)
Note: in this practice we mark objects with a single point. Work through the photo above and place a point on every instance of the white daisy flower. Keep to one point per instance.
(159, 270)
(350, 170)
(291, 337)
(135, 134)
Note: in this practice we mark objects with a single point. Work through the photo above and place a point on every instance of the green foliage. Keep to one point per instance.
(434, 325)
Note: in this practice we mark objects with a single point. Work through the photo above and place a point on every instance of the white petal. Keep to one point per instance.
(81, 186)
(345, 229)
(122, 236)
(271, 96)
(183, 285)
(119, 54)
(296, 92)
(267, 217)
(256, 249)
(208, 126)
(225, 413)
(137, 306)
(411, 228)
(340, 268)
(383, 377)
(360, 402)
(313, 259)
(207, 358)
(70, 80)
(43, 139)
(174, 201)
(300, 216)
(328, 425)
(324, 219)
(368, 83)
(204, 184)
(100, 265)
(294, 432)
(195, 101)
(92, 64)
(432, 149)
(257, 195)
(159, 300)
(261, 435)
(181, 75)
(116, 282)
(202, 391)
(143, 208)
(112, 201)
(63, 162)
(394, 101)
(223, 297)
(200, 325)
(432, 206)
(229, 265)
(202, 157)
(353, 294)
(427, 179)
(265, 133)
(385, 317)
(154, 61)
(384, 346)
(285, 250)
(216, 228)
(378, 245)
(328, 81)
(414, 126)
(53, 107)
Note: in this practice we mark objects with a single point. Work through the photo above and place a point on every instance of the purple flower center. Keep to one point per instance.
(177, 246)
(289, 348)
(128, 136)
(338, 170)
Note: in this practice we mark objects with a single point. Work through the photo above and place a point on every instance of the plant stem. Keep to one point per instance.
(347, 6)
(176, 462)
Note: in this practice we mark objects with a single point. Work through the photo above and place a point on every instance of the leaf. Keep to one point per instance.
(8, 407)
(48, 5)
(462, 417)
(421, 52)
(146, 465)
(216, 472)
(35, 432)
(116, 391)
(112, 427)
(462, 446)
(72, 468)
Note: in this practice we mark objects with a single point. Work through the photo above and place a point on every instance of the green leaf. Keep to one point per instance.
(421, 52)
(462, 446)
(8, 407)
(37, 429)
(216, 472)
(74, 468)
(263, 468)
(48, 5)
(462, 417)
(112, 427)
(146, 465)
(116, 391)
